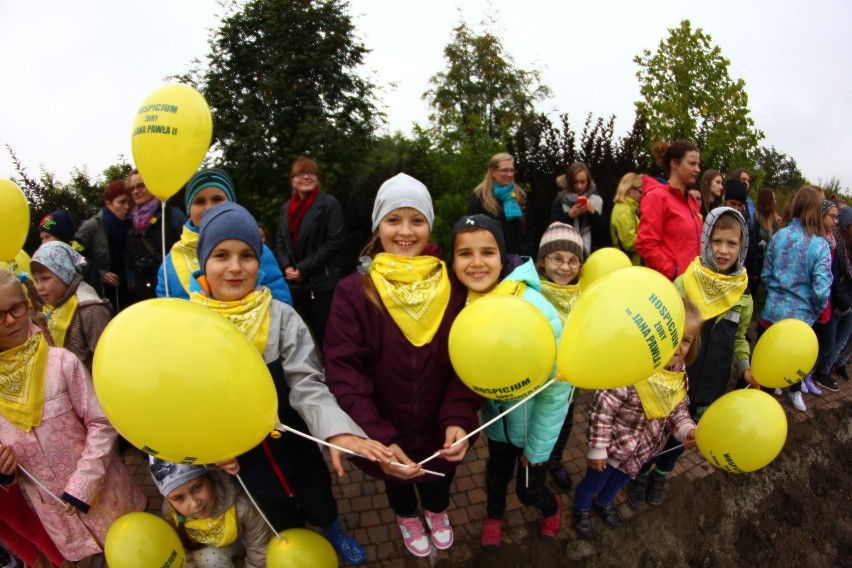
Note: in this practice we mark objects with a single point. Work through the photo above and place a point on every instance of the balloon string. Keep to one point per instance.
(666, 451)
(493, 420)
(285, 428)
(253, 502)
(526, 440)
(37, 482)
(163, 247)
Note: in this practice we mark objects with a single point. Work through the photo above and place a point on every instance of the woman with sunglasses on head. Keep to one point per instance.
(499, 197)
(310, 240)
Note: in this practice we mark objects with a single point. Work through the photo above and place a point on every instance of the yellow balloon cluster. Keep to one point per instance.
(744, 430)
(181, 382)
(602, 261)
(14, 220)
(300, 548)
(171, 135)
(502, 347)
(142, 540)
(784, 354)
(621, 330)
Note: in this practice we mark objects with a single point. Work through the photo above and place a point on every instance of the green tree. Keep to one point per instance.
(779, 170)
(482, 94)
(282, 81)
(687, 93)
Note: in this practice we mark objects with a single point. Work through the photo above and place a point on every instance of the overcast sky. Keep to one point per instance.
(73, 73)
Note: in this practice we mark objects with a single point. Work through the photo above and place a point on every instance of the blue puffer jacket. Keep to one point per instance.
(270, 276)
(536, 429)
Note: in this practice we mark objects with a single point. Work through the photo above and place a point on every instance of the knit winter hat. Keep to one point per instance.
(168, 476)
(560, 236)
(214, 177)
(115, 189)
(736, 190)
(223, 222)
(59, 224)
(485, 223)
(845, 217)
(402, 191)
(60, 259)
(826, 205)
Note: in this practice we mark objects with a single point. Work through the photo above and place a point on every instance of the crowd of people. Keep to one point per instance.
(362, 362)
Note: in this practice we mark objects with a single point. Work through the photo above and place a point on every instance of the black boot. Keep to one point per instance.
(656, 488)
(636, 491)
(583, 523)
(610, 515)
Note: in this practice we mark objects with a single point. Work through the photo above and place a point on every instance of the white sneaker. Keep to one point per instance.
(797, 401)
(439, 529)
(414, 536)
(778, 392)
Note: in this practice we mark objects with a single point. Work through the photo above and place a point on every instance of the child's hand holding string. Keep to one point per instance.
(413, 469)
(370, 449)
(8, 460)
(749, 378)
(454, 453)
(689, 441)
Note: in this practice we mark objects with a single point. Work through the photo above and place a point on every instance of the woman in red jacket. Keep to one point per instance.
(669, 235)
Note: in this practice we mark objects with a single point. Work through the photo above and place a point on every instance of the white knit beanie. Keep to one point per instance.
(402, 190)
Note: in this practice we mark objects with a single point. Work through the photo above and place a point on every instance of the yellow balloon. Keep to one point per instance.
(142, 540)
(14, 219)
(784, 354)
(600, 262)
(621, 330)
(742, 431)
(181, 382)
(21, 263)
(502, 347)
(300, 548)
(171, 135)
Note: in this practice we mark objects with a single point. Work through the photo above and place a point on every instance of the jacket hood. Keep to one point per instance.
(706, 250)
(527, 274)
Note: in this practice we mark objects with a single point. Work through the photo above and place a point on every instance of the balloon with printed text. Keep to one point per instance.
(182, 383)
(743, 431)
(784, 354)
(14, 220)
(142, 540)
(171, 134)
(300, 548)
(602, 261)
(621, 330)
(502, 347)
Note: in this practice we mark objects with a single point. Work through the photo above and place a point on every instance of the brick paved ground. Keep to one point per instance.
(364, 509)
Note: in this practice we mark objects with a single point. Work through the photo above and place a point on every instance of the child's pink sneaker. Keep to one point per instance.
(492, 531)
(414, 536)
(550, 526)
(440, 529)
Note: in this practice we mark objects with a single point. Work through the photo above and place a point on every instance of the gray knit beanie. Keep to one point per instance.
(168, 476)
(402, 190)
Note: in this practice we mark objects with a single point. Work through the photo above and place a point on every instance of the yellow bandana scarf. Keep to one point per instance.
(507, 287)
(23, 370)
(562, 298)
(214, 531)
(185, 256)
(712, 292)
(59, 319)
(661, 392)
(250, 313)
(415, 291)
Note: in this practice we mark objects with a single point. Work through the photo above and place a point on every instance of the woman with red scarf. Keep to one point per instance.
(310, 238)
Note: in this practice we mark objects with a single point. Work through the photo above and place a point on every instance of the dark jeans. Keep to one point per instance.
(314, 308)
(435, 496)
(832, 336)
(605, 484)
(503, 459)
(564, 432)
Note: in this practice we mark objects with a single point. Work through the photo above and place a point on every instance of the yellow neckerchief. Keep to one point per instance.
(59, 319)
(23, 370)
(661, 392)
(185, 256)
(507, 287)
(415, 291)
(213, 531)
(562, 298)
(250, 313)
(712, 292)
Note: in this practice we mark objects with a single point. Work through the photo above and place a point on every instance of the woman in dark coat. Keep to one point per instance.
(310, 238)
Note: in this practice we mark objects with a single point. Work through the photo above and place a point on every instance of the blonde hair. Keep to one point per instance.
(485, 190)
(628, 181)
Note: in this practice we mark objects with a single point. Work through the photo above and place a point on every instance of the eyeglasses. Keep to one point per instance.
(303, 175)
(18, 311)
(137, 186)
(557, 260)
(506, 170)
